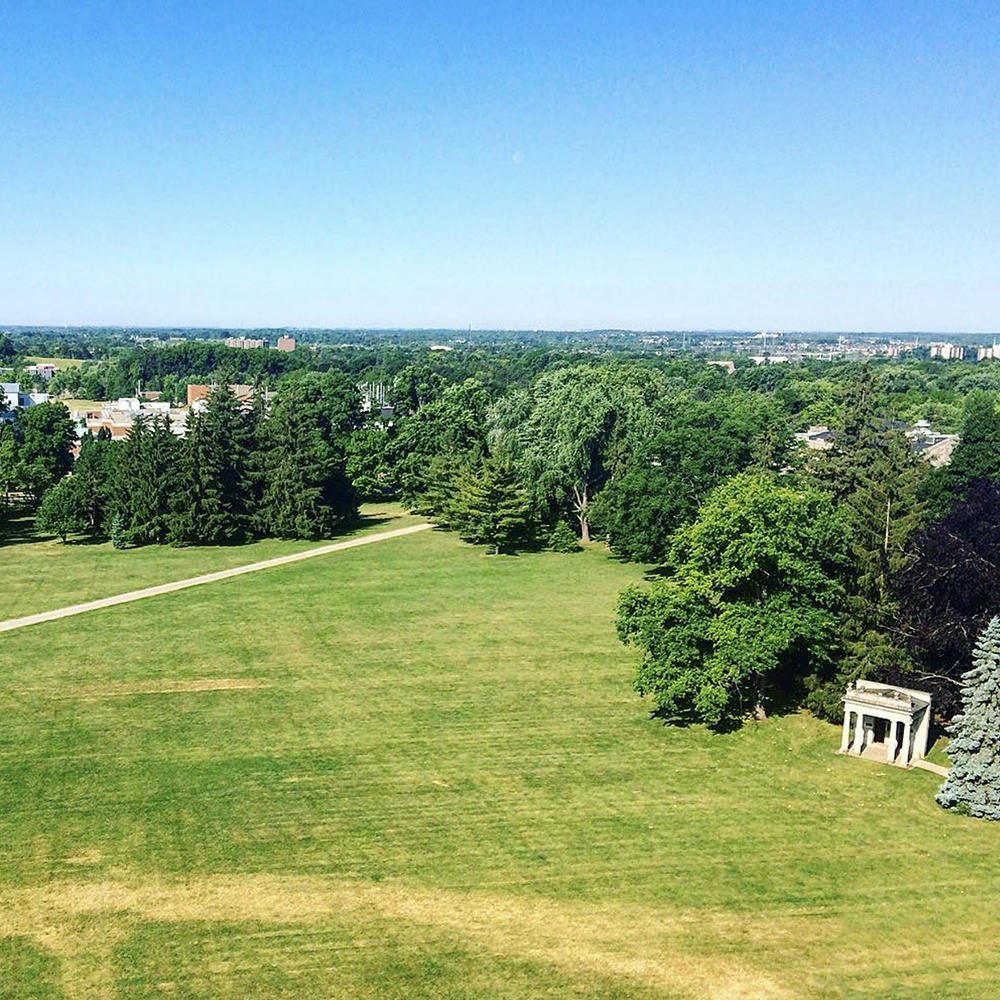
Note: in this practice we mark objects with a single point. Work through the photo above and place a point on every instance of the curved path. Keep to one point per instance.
(194, 581)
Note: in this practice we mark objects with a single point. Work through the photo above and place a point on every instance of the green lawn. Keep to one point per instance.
(412, 771)
(42, 574)
(58, 362)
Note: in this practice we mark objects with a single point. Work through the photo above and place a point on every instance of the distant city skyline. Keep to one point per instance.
(565, 166)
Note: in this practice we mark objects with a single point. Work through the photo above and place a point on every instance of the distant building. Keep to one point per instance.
(45, 371)
(988, 352)
(245, 343)
(12, 397)
(947, 352)
(117, 416)
(769, 359)
(197, 394)
(817, 437)
(727, 365)
(285, 344)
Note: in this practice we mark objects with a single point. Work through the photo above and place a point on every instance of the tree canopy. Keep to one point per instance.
(753, 596)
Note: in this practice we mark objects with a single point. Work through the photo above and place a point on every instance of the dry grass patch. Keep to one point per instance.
(124, 689)
(644, 945)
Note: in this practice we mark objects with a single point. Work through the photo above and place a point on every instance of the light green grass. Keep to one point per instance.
(58, 362)
(73, 404)
(432, 780)
(44, 573)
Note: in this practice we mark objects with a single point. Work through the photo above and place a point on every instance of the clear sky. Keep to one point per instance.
(799, 165)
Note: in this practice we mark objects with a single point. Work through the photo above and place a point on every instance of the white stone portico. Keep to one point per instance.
(886, 723)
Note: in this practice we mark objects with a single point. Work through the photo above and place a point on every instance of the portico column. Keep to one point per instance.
(845, 740)
(904, 753)
(890, 742)
(859, 735)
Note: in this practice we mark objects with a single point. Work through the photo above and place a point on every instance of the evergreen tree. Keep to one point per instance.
(882, 513)
(973, 783)
(488, 506)
(8, 461)
(976, 458)
(145, 477)
(842, 468)
(118, 532)
(213, 503)
(93, 476)
(307, 493)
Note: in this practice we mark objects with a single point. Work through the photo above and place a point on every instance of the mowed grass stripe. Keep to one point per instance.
(433, 721)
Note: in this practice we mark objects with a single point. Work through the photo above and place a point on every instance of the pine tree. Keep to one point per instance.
(213, 503)
(146, 470)
(975, 459)
(307, 493)
(973, 783)
(488, 506)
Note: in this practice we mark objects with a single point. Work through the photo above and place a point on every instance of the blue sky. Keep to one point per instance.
(562, 165)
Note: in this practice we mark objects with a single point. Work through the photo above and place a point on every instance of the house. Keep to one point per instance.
(45, 371)
(197, 394)
(117, 416)
(12, 397)
(817, 437)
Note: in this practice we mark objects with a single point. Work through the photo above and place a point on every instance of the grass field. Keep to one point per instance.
(409, 770)
(41, 574)
(58, 362)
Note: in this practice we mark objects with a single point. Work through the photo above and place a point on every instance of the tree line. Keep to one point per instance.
(782, 573)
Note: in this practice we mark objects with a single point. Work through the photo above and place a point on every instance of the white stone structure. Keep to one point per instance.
(886, 723)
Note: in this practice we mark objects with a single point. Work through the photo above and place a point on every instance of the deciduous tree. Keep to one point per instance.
(752, 602)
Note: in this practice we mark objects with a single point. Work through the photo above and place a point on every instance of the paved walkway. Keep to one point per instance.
(194, 581)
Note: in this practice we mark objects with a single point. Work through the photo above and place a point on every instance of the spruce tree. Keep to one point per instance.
(213, 503)
(145, 477)
(973, 783)
(975, 459)
(306, 492)
(488, 506)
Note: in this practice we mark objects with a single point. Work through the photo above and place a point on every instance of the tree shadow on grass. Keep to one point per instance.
(18, 528)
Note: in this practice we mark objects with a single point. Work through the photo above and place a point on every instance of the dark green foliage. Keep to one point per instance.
(974, 778)
(213, 502)
(145, 479)
(63, 511)
(976, 457)
(368, 466)
(575, 431)
(487, 506)
(454, 424)
(307, 492)
(950, 588)
(8, 460)
(93, 475)
(562, 538)
(704, 445)
(751, 606)
(45, 437)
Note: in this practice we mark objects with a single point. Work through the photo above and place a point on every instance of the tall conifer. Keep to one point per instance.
(973, 783)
